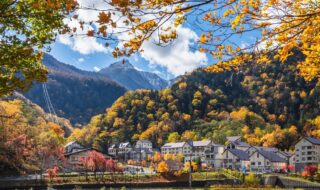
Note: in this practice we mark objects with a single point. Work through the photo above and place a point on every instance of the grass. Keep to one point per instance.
(208, 175)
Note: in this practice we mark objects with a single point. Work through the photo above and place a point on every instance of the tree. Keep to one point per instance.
(53, 172)
(26, 28)
(94, 161)
(162, 167)
(173, 137)
(279, 27)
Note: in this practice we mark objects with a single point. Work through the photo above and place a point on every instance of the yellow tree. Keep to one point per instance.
(162, 167)
(277, 26)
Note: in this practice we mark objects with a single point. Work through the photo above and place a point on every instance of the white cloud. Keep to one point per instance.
(178, 58)
(80, 60)
(97, 69)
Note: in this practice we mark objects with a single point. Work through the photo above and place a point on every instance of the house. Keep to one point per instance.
(202, 150)
(235, 159)
(234, 142)
(285, 155)
(252, 149)
(262, 160)
(73, 146)
(74, 158)
(183, 148)
(139, 154)
(121, 150)
(143, 144)
(307, 152)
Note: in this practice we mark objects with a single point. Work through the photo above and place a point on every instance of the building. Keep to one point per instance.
(206, 151)
(120, 151)
(139, 154)
(234, 142)
(74, 159)
(266, 161)
(235, 159)
(252, 149)
(183, 148)
(143, 144)
(307, 152)
(73, 146)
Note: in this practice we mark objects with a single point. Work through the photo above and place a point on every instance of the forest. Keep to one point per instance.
(267, 104)
(30, 141)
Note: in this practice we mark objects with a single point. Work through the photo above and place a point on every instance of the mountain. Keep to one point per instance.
(266, 104)
(125, 74)
(75, 94)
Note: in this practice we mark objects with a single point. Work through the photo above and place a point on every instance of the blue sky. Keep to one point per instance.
(90, 54)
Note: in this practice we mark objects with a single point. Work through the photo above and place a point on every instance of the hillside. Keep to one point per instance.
(75, 94)
(125, 74)
(267, 104)
(27, 135)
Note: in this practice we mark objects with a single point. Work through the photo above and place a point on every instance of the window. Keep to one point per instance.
(257, 155)
(259, 163)
(253, 163)
(303, 159)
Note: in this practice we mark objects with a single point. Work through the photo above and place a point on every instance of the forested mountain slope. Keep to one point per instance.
(268, 104)
(29, 138)
(75, 94)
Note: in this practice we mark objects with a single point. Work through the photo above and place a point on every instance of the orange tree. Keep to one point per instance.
(280, 26)
(26, 27)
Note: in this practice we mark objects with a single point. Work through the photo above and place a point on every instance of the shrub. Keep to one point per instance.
(251, 179)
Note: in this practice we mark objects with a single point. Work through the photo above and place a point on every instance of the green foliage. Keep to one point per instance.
(212, 106)
(252, 180)
(26, 28)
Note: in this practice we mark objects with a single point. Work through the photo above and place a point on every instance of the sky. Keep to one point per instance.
(88, 53)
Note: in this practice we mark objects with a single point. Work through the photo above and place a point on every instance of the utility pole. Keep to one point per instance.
(190, 164)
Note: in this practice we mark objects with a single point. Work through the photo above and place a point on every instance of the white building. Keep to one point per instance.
(235, 159)
(261, 161)
(307, 152)
(120, 151)
(207, 151)
(183, 148)
(144, 144)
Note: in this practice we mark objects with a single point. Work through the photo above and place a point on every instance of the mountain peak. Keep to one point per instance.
(122, 64)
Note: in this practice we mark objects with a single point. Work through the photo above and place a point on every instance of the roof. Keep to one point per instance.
(72, 142)
(76, 152)
(124, 145)
(272, 156)
(313, 140)
(201, 143)
(286, 154)
(242, 155)
(240, 143)
(144, 141)
(233, 138)
(173, 145)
